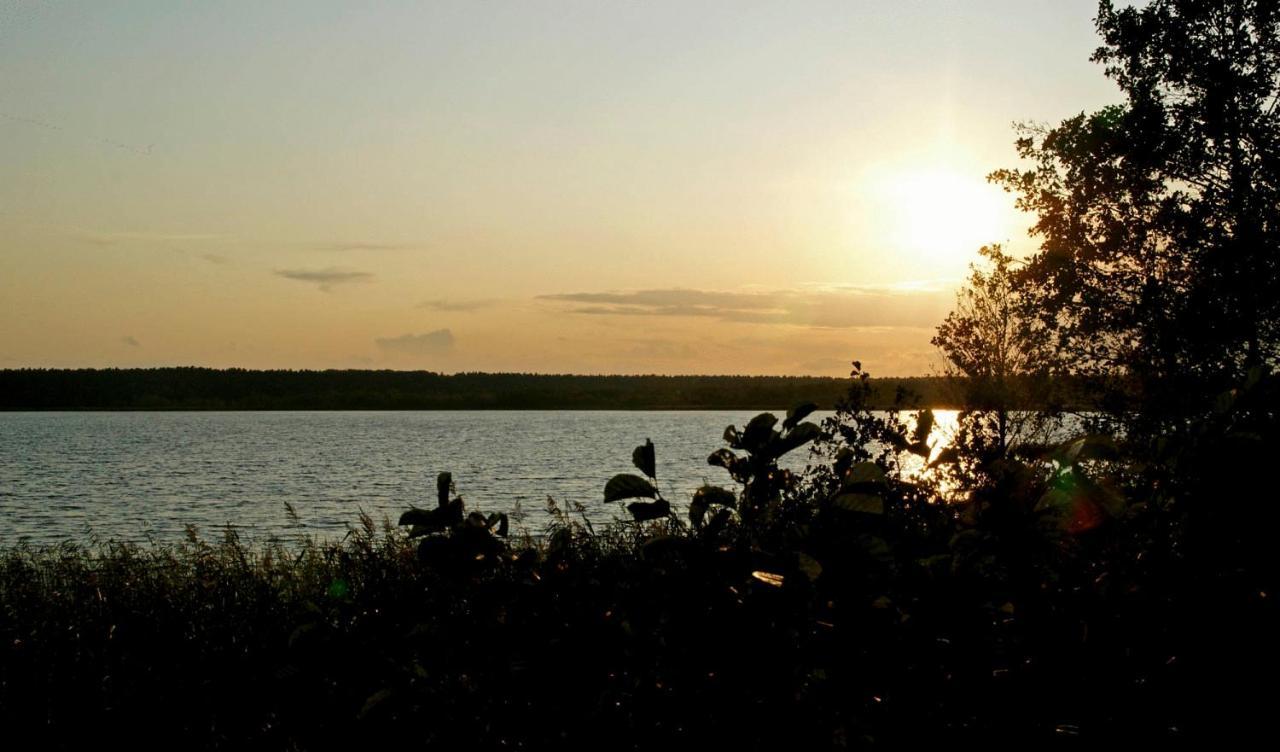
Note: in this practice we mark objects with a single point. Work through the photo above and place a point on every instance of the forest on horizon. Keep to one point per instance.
(241, 389)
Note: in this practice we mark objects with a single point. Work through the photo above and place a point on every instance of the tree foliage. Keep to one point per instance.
(1159, 217)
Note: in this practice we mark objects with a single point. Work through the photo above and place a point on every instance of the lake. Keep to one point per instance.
(140, 475)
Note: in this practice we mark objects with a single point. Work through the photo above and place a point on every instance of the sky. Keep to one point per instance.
(555, 187)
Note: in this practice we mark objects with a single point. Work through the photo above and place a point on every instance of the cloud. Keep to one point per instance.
(214, 258)
(663, 349)
(326, 279)
(130, 341)
(455, 305)
(432, 343)
(115, 238)
(358, 245)
(836, 308)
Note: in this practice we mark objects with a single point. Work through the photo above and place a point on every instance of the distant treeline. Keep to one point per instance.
(240, 389)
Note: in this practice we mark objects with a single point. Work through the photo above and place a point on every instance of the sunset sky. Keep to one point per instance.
(589, 187)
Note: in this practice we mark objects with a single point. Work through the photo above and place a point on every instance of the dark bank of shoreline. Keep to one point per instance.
(189, 388)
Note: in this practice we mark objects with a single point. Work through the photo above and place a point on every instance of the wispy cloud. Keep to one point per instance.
(359, 245)
(326, 279)
(845, 307)
(455, 305)
(116, 238)
(432, 343)
(214, 258)
(130, 341)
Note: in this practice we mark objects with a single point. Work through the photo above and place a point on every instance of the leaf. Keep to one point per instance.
(426, 521)
(704, 497)
(924, 426)
(415, 516)
(808, 565)
(798, 413)
(876, 548)
(642, 511)
(735, 464)
(949, 455)
(758, 431)
(628, 486)
(769, 578)
(1079, 503)
(731, 437)
(644, 460)
(863, 476)
(452, 513)
(698, 510)
(476, 543)
(723, 458)
(719, 521)
(796, 437)
(444, 481)
(716, 495)
(660, 546)
(374, 700)
(500, 519)
(859, 502)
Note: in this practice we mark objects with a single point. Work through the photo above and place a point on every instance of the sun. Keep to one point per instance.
(939, 218)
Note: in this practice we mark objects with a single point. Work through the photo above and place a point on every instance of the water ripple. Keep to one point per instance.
(126, 475)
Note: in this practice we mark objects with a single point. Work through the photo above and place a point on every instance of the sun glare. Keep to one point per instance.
(940, 218)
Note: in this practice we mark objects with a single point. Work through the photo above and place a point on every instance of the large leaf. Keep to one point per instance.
(643, 511)
(628, 486)
(716, 495)
(796, 437)
(476, 543)
(723, 458)
(644, 460)
(948, 456)
(698, 510)
(924, 426)
(798, 413)
(769, 578)
(808, 565)
(704, 497)
(444, 481)
(719, 521)
(665, 546)
(1081, 503)
(759, 431)
(858, 502)
(417, 516)
(426, 521)
(729, 461)
(863, 476)
(374, 702)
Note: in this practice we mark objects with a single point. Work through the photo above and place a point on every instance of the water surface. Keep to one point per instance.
(134, 475)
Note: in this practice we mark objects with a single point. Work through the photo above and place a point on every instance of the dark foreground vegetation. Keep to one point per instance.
(241, 389)
(1090, 590)
(1118, 586)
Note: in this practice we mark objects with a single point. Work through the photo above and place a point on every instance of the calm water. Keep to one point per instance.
(131, 475)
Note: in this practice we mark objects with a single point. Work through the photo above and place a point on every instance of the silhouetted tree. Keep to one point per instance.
(1159, 218)
(998, 349)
